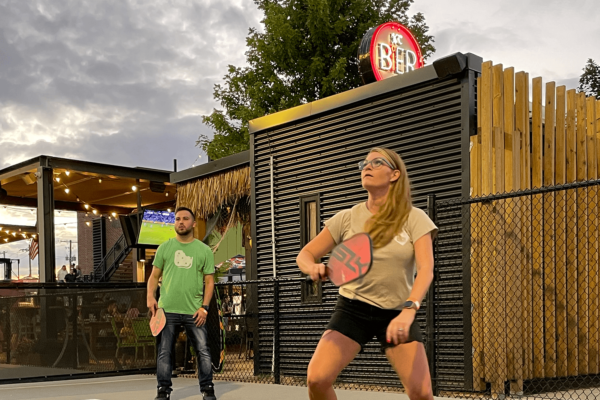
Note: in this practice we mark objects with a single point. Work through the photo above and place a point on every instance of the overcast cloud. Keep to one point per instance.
(102, 80)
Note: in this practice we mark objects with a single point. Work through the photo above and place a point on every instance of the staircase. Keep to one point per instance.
(104, 271)
(124, 273)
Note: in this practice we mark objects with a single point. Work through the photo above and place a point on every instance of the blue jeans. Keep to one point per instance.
(199, 339)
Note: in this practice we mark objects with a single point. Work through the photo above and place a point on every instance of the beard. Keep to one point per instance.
(185, 232)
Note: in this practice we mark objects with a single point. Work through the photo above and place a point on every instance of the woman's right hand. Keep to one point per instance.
(318, 272)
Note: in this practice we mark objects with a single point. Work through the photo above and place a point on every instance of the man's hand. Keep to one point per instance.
(152, 306)
(200, 316)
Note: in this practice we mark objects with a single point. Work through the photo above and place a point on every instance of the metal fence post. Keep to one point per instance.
(276, 353)
(430, 310)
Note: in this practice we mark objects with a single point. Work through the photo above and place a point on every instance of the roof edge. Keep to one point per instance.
(212, 167)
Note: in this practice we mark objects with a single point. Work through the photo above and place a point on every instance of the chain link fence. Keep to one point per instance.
(530, 273)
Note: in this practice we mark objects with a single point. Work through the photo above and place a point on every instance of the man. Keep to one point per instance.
(184, 263)
(62, 273)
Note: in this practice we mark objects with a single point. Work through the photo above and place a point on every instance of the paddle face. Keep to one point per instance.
(157, 322)
(350, 259)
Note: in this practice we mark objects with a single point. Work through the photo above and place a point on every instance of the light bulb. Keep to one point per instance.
(87, 223)
(87, 206)
(6, 240)
(114, 214)
(67, 172)
(134, 188)
(99, 180)
(95, 212)
(57, 179)
(168, 210)
(14, 234)
(33, 236)
(166, 194)
(67, 190)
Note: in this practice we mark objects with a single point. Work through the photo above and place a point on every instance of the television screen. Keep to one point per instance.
(157, 227)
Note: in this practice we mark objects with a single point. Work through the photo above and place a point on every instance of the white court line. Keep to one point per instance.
(61, 384)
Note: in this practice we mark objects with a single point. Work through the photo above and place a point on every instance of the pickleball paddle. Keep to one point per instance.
(350, 260)
(158, 321)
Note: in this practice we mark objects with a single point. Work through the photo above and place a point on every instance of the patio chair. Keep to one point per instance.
(125, 342)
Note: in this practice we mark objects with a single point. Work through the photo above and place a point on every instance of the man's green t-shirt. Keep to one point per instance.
(184, 266)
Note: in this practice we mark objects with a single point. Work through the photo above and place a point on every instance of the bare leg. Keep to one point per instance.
(410, 362)
(334, 352)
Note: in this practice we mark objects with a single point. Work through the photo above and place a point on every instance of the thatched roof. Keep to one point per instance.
(205, 195)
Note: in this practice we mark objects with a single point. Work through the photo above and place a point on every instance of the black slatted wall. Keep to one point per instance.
(428, 125)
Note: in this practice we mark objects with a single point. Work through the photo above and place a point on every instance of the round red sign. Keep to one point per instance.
(388, 50)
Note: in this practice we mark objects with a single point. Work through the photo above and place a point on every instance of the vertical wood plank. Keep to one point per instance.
(522, 127)
(485, 108)
(487, 219)
(561, 239)
(593, 236)
(549, 235)
(537, 227)
(514, 339)
(499, 268)
(572, 324)
(582, 235)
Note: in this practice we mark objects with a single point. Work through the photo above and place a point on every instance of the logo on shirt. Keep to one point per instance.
(183, 261)
(402, 238)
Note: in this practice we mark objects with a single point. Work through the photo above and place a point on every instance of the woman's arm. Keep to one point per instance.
(399, 327)
(424, 260)
(322, 244)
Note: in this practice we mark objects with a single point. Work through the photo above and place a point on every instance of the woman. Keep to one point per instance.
(385, 301)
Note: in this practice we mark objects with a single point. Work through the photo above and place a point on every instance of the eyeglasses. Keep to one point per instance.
(375, 163)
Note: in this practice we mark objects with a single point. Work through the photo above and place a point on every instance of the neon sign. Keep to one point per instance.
(388, 50)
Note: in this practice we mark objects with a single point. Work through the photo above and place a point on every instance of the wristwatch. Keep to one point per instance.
(412, 304)
(205, 307)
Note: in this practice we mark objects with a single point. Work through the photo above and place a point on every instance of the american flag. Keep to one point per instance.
(33, 248)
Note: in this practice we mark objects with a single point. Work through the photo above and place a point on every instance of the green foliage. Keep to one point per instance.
(308, 51)
(589, 82)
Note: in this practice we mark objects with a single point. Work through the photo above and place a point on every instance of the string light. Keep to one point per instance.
(67, 190)
(87, 206)
(134, 188)
(166, 194)
(99, 180)
(33, 236)
(67, 172)
(114, 214)
(6, 240)
(95, 212)
(87, 223)
(77, 198)
(57, 179)
(168, 210)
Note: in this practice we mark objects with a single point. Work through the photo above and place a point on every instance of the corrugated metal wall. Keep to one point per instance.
(428, 125)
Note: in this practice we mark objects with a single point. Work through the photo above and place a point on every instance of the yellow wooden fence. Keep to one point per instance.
(534, 259)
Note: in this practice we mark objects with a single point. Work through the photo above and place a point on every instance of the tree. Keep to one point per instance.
(308, 51)
(589, 82)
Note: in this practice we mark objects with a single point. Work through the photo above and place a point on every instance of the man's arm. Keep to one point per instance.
(152, 286)
(209, 288)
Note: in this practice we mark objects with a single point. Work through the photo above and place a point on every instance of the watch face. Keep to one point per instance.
(409, 304)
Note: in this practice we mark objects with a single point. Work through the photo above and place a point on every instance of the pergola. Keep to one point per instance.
(48, 183)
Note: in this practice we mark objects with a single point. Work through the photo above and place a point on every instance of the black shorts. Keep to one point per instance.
(361, 322)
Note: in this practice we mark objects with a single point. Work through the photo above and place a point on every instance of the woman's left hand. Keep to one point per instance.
(399, 329)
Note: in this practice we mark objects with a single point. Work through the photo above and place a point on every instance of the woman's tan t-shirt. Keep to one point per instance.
(389, 282)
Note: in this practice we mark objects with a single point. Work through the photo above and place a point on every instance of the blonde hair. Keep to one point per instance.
(393, 214)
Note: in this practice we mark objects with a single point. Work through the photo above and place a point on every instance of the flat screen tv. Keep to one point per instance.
(157, 227)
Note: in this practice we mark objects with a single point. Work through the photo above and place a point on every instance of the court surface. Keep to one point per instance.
(136, 387)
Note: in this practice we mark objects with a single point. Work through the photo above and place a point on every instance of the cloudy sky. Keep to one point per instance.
(127, 81)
